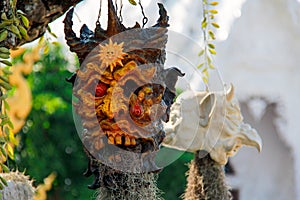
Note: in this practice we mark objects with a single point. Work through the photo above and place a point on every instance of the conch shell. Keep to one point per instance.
(211, 122)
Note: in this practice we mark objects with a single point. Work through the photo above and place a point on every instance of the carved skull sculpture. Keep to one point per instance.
(209, 121)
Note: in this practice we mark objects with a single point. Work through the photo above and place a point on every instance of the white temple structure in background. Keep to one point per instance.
(261, 57)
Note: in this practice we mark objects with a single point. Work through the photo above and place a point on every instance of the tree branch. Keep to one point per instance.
(40, 13)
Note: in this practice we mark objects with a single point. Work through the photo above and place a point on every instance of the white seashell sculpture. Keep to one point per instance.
(209, 121)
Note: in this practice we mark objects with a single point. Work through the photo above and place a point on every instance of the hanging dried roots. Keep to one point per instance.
(130, 186)
(206, 180)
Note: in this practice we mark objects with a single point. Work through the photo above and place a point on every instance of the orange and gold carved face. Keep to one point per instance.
(117, 100)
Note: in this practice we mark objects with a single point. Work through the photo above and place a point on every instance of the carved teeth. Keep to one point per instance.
(118, 139)
(127, 141)
(133, 142)
(111, 140)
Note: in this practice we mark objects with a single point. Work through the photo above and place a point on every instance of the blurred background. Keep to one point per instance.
(258, 48)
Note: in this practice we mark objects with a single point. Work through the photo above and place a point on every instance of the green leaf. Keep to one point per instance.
(4, 168)
(200, 66)
(6, 62)
(3, 151)
(6, 23)
(25, 21)
(5, 85)
(53, 34)
(133, 2)
(10, 124)
(23, 32)
(14, 29)
(4, 55)
(3, 35)
(6, 72)
(4, 96)
(3, 181)
(205, 80)
(4, 50)
(215, 25)
(3, 16)
(5, 79)
(6, 105)
(211, 46)
(16, 22)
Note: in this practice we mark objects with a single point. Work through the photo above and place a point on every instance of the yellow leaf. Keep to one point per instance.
(46, 49)
(10, 151)
(201, 53)
(211, 66)
(211, 34)
(214, 3)
(204, 25)
(215, 25)
(212, 51)
(213, 12)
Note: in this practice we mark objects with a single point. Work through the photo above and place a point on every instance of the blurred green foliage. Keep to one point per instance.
(172, 180)
(49, 141)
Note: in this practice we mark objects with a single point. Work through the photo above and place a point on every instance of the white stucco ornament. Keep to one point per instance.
(209, 121)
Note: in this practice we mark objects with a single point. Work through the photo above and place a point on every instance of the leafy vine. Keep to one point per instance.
(13, 23)
(208, 25)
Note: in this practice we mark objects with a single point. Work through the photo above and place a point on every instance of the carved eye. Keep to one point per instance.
(136, 110)
(100, 89)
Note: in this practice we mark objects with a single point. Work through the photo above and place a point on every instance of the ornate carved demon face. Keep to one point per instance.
(209, 121)
(122, 91)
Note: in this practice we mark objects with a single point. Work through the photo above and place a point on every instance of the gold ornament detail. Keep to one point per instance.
(111, 54)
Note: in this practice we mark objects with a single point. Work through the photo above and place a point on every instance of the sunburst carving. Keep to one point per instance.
(111, 54)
